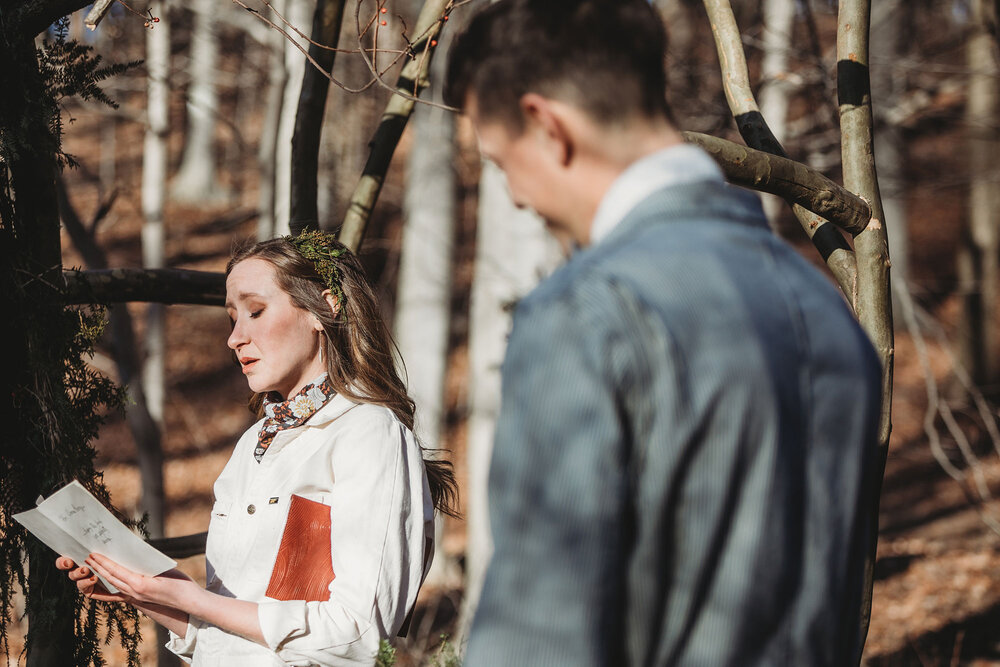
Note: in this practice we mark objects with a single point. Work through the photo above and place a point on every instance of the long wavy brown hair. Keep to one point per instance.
(358, 348)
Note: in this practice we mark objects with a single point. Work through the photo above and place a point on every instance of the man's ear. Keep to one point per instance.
(334, 304)
(547, 120)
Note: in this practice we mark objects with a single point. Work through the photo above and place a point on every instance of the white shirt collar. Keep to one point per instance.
(677, 165)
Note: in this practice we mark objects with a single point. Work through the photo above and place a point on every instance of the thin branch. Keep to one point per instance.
(295, 43)
(986, 412)
(424, 41)
(312, 42)
(936, 406)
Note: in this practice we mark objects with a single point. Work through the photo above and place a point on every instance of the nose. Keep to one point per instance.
(238, 337)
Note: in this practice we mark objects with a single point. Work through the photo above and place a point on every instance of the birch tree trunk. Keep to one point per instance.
(109, 125)
(874, 303)
(889, 146)
(513, 252)
(196, 179)
(423, 296)
(779, 19)
(298, 14)
(268, 149)
(977, 264)
(154, 183)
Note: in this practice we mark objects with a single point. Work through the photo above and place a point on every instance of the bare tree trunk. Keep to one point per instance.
(889, 147)
(29, 278)
(154, 183)
(109, 125)
(297, 13)
(196, 179)
(513, 252)
(978, 257)
(677, 16)
(268, 149)
(779, 19)
(874, 302)
(247, 81)
(304, 214)
(423, 297)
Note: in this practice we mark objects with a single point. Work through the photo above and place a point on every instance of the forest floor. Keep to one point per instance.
(937, 589)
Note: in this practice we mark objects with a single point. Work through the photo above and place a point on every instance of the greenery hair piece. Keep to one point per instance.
(322, 250)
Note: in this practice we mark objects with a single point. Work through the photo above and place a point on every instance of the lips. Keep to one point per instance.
(247, 363)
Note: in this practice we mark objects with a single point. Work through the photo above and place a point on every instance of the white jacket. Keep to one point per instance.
(362, 462)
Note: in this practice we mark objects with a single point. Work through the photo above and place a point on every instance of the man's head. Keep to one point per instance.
(563, 94)
(602, 56)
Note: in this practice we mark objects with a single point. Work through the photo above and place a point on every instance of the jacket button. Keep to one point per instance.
(251, 509)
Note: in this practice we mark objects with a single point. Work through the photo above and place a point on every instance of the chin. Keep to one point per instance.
(257, 386)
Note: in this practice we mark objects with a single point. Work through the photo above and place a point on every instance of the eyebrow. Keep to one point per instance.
(242, 296)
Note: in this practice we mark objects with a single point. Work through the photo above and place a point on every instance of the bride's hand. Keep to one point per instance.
(172, 588)
(87, 582)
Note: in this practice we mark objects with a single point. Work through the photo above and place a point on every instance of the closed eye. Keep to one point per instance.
(254, 315)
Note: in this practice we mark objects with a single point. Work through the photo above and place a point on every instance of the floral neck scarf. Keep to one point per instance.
(293, 412)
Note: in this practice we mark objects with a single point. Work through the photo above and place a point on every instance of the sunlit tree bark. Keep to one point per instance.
(196, 179)
(978, 256)
(513, 252)
(779, 18)
(267, 150)
(874, 302)
(423, 296)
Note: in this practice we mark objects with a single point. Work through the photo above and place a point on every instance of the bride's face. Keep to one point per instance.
(278, 344)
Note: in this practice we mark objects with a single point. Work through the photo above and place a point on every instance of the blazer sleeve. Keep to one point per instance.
(377, 542)
(559, 483)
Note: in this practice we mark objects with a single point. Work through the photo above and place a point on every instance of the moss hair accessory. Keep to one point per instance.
(322, 250)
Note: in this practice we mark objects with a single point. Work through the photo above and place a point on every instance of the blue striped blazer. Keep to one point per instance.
(683, 457)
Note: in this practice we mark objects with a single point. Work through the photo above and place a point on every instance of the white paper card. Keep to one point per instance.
(73, 523)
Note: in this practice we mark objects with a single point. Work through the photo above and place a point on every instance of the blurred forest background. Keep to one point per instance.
(197, 158)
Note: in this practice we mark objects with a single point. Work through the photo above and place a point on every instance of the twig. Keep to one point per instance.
(986, 412)
(295, 43)
(423, 40)
(936, 406)
(315, 43)
(956, 653)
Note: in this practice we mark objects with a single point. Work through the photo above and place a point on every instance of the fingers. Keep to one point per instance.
(65, 563)
(118, 576)
(75, 573)
(87, 582)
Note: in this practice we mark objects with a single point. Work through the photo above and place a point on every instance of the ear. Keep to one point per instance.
(334, 304)
(547, 120)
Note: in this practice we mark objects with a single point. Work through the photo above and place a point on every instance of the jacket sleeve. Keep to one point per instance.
(183, 647)
(377, 534)
(559, 483)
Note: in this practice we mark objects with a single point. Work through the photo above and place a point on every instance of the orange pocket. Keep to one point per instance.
(303, 569)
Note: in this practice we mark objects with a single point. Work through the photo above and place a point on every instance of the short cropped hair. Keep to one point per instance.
(606, 57)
